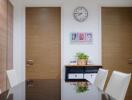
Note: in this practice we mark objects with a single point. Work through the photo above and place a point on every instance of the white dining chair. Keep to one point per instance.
(12, 77)
(101, 78)
(118, 85)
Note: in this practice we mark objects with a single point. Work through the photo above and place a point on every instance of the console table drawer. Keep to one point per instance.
(78, 72)
(90, 77)
(75, 76)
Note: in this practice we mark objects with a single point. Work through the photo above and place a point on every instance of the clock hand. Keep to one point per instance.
(80, 14)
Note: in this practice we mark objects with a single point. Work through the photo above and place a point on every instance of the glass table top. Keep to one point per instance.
(52, 90)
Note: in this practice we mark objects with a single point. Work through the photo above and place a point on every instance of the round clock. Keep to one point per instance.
(80, 14)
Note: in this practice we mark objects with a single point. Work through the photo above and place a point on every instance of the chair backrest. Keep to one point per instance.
(12, 77)
(118, 85)
(101, 78)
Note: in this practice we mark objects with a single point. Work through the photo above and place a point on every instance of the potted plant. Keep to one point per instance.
(82, 58)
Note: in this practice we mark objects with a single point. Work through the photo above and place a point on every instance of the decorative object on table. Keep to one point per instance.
(80, 14)
(82, 58)
(81, 37)
(81, 87)
(73, 62)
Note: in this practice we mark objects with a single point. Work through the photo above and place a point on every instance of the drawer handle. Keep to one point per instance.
(91, 75)
(75, 75)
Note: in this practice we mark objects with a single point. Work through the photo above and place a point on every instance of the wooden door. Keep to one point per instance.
(43, 43)
(117, 41)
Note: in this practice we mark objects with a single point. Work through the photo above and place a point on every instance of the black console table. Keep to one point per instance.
(79, 72)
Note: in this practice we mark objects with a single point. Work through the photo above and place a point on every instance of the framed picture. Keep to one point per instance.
(81, 37)
(74, 37)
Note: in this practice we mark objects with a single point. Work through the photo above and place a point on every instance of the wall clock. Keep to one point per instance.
(80, 14)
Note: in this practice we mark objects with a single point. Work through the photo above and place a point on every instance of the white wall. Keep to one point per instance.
(93, 24)
(90, 25)
(116, 3)
(19, 39)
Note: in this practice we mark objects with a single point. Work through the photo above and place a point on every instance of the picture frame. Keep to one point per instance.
(81, 37)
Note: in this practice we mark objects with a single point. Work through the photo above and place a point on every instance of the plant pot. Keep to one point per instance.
(81, 62)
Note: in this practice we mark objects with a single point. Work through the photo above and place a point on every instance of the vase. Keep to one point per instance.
(82, 62)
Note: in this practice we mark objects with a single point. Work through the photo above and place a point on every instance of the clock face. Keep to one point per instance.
(80, 14)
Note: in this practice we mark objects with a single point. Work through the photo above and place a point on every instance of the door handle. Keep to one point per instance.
(130, 61)
(29, 62)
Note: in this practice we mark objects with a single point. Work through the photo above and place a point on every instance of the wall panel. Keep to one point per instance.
(10, 36)
(3, 43)
(6, 34)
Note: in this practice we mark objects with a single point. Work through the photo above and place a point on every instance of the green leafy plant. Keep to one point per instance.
(82, 87)
(80, 56)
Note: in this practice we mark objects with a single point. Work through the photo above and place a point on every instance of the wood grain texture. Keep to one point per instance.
(6, 41)
(43, 42)
(3, 43)
(117, 40)
(10, 37)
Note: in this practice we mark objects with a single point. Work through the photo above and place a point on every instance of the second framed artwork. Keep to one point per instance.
(81, 37)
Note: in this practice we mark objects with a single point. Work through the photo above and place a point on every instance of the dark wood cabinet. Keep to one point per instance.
(78, 73)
